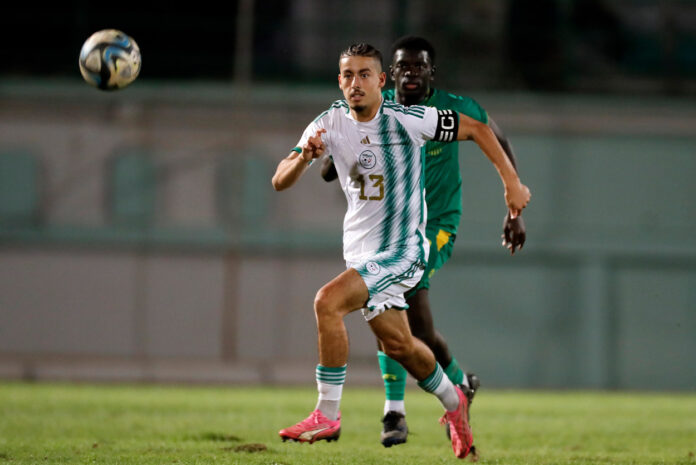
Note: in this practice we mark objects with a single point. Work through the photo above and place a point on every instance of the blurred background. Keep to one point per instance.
(140, 238)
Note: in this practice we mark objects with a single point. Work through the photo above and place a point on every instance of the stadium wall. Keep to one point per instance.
(140, 240)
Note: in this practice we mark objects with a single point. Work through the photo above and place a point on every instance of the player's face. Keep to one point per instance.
(361, 79)
(412, 72)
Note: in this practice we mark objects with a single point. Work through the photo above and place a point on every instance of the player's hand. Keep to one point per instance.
(314, 147)
(514, 233)
(516, 198)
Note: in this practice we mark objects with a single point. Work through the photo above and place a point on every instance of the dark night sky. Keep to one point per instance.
(176, 43)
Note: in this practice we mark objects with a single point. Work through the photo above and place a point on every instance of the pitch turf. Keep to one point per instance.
(61, 423)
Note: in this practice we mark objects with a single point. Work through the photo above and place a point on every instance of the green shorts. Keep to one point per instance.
(441, 246)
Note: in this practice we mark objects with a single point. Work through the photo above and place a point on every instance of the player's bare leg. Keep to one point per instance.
(420, 319)
(392, 329)
(394, 334)
(339, 297)
(395, 428)
(342, 295)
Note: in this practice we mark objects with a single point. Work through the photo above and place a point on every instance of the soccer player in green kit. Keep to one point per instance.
(413, 70)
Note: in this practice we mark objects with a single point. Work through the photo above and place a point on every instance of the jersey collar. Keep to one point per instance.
(349, 115)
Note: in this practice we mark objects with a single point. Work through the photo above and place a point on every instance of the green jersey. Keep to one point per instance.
(443, 181)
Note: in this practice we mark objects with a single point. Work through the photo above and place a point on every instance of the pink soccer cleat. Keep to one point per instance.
(314, 428)
(458, 423)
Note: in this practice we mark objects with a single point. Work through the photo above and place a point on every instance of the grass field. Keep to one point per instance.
(114, 424)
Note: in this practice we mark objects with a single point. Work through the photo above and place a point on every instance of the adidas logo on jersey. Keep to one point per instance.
(365, 140)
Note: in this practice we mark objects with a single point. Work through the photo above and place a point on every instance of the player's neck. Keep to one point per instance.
(366, 113)
(408, 100)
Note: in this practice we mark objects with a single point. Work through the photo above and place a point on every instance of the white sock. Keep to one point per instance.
(395, 406)
(447, 394)
(330, 386)
(440, 385)
(329, 399)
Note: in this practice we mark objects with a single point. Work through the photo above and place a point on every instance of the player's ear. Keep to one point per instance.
(391, 73)
(339, 80)
(382, 79)
(432, 72)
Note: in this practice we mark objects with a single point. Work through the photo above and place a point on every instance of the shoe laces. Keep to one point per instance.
(314, 418)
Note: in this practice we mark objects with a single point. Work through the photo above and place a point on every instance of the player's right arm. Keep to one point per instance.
(292, 167)
(462, 127)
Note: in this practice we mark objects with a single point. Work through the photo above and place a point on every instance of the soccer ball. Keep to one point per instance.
(109, 60)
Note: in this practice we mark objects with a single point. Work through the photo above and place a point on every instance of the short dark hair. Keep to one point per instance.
(414, 43)
(363, 50)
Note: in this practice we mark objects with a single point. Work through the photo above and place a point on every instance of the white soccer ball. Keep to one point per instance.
(110, 60)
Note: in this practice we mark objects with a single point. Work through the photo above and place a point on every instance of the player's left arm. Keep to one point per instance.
(452, 125)
(514, 230)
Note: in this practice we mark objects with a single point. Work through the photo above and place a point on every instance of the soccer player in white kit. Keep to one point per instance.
(377, 149)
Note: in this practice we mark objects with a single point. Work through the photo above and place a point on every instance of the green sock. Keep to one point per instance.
(394, 376)
(454, 373)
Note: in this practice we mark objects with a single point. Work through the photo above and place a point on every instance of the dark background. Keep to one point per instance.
(541, 45)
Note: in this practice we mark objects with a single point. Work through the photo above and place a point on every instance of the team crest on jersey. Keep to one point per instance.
(372, 267)
(367, 159)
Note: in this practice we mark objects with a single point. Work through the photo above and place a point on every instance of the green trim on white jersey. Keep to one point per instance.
(380, 168)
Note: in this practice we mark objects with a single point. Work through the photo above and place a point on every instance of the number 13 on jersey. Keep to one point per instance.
(375, 185)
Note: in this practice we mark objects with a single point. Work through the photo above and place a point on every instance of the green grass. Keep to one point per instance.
(108, 424)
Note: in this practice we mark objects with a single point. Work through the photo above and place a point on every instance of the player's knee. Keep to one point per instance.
(398, 348)
(325, 304)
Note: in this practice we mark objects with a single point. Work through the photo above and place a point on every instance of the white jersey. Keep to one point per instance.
(380, 168)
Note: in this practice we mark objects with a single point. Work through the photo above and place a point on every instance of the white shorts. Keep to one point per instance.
(388, 276)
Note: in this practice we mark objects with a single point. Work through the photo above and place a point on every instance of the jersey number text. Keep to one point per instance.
(377, 183)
